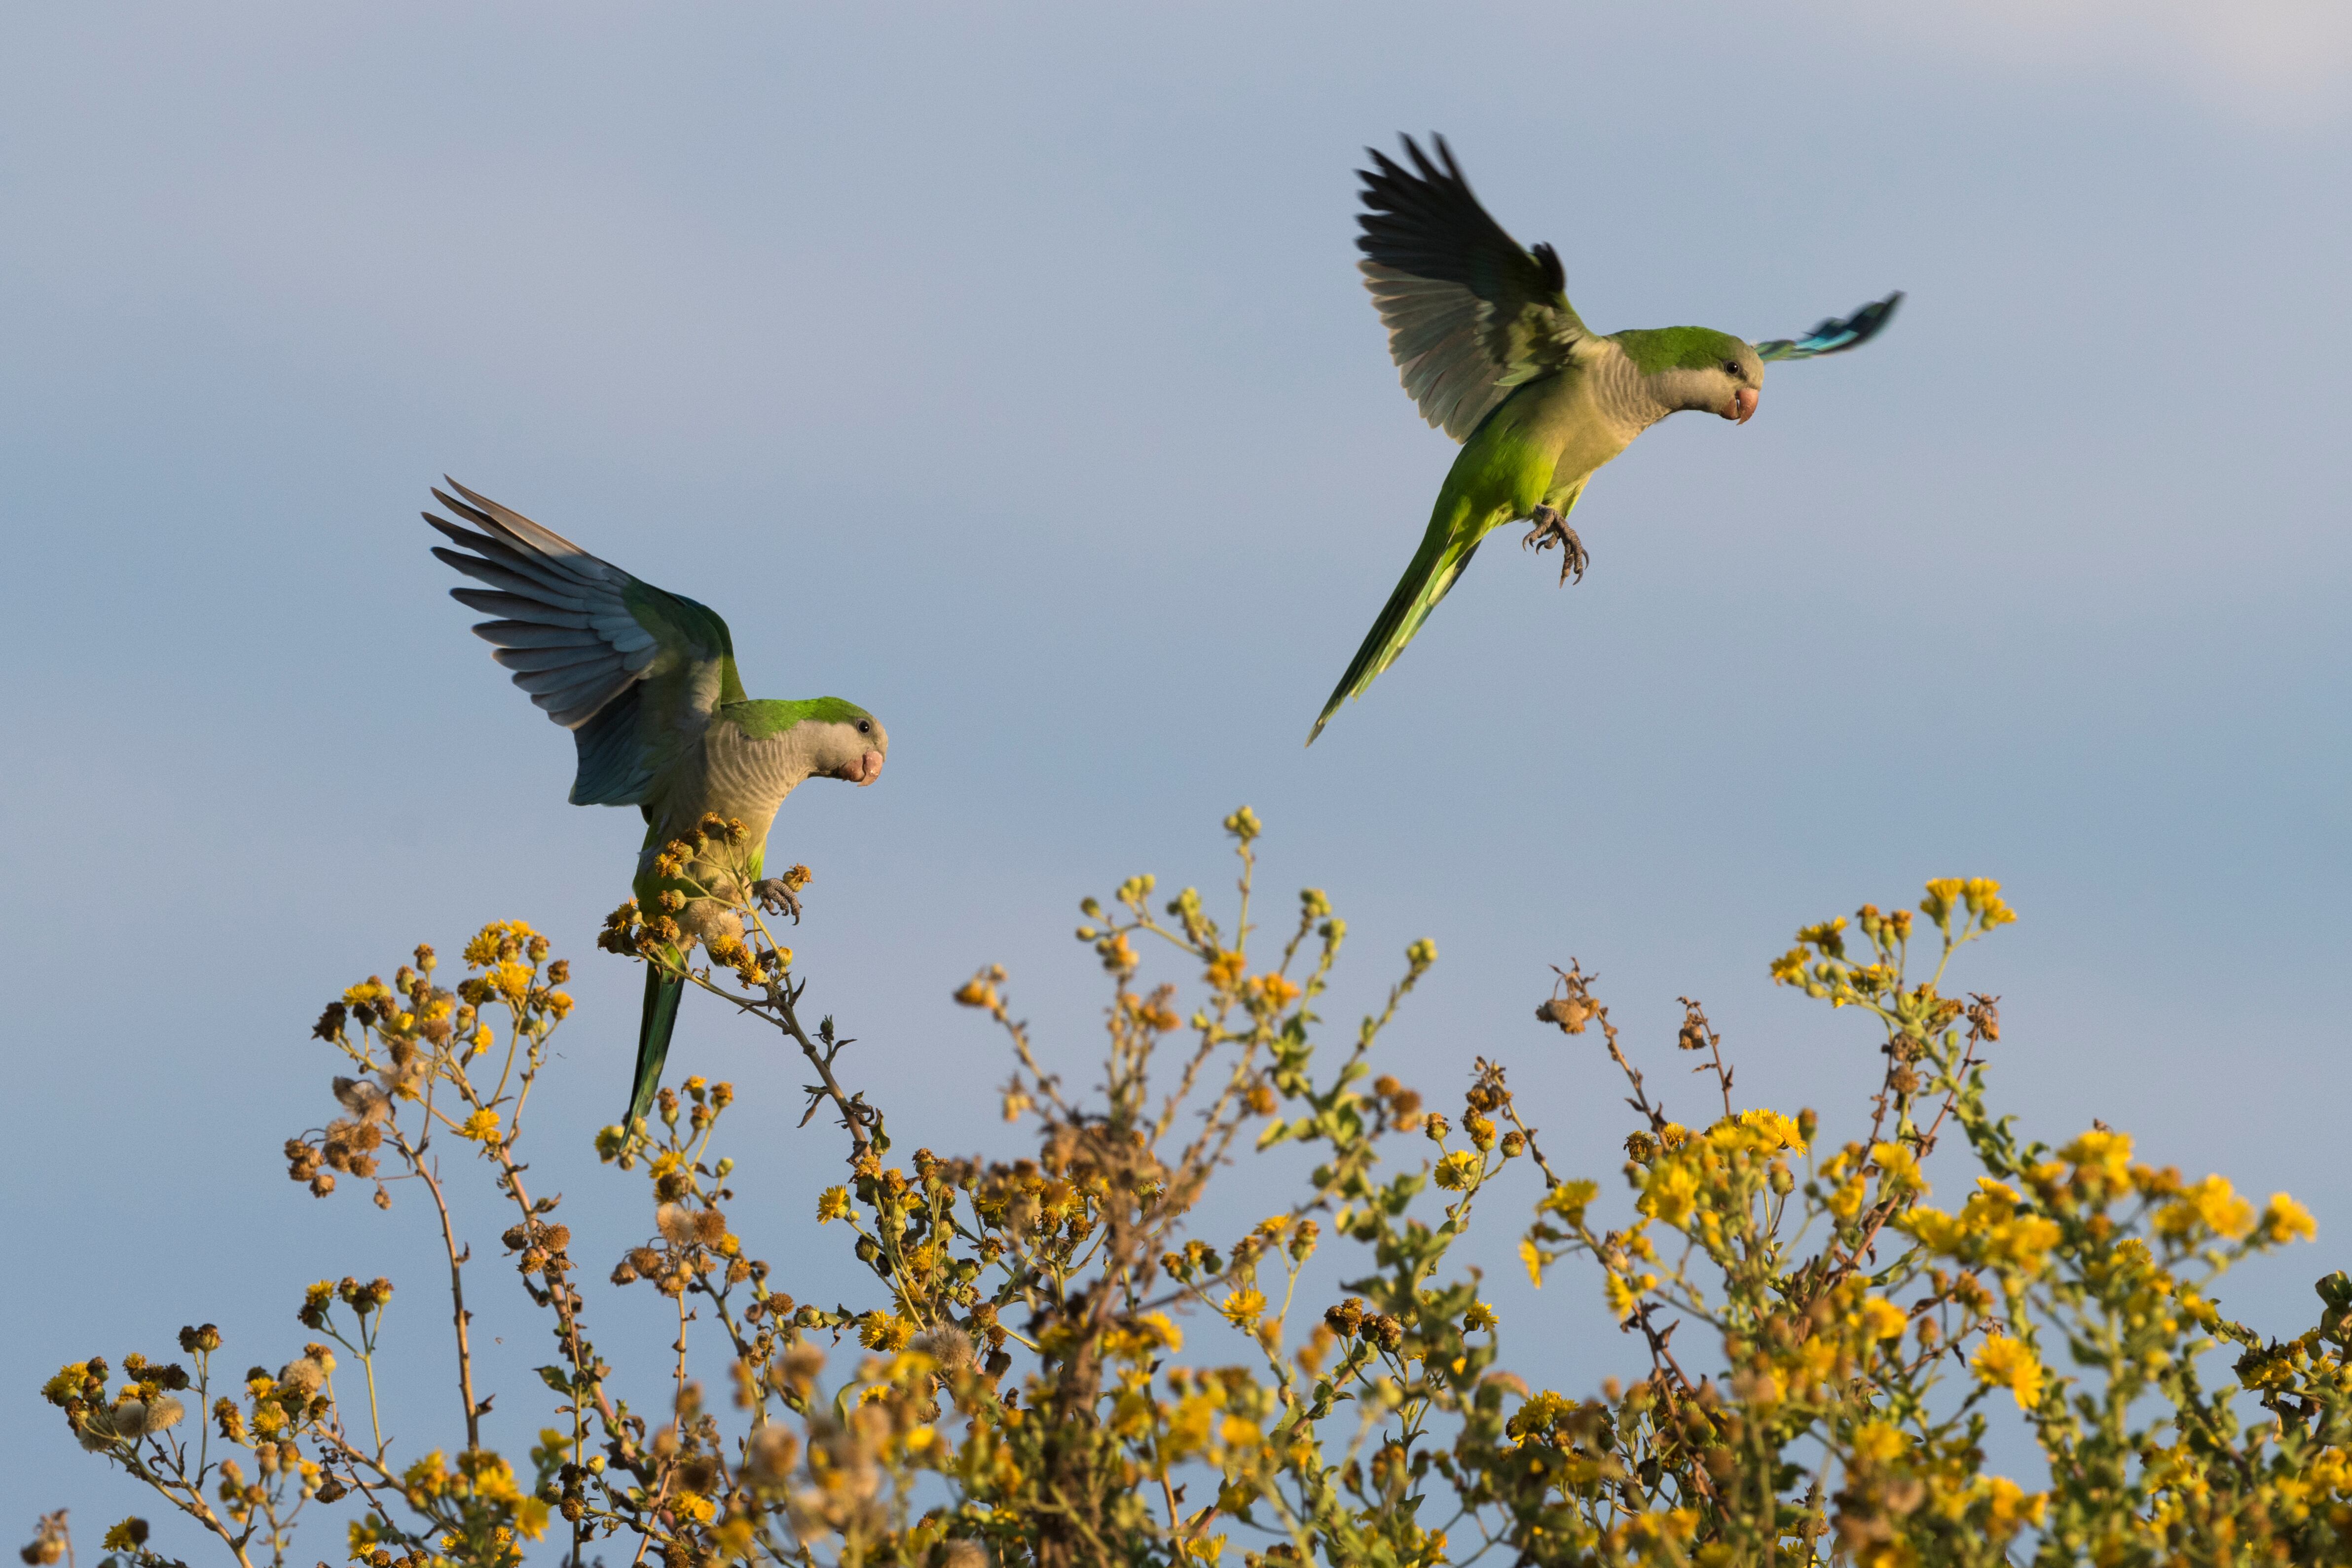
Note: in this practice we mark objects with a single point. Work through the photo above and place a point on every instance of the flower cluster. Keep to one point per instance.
(1823, 1345)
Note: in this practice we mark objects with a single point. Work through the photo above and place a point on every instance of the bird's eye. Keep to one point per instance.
(864, 727)
(1731, 367)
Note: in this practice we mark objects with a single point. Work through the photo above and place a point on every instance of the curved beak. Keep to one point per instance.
(1742, 406)
(870, 768)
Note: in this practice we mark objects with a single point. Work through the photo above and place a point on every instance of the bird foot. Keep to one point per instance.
(1552, 528)
(777, 897)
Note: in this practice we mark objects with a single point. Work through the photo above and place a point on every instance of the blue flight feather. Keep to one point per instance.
(1834, 336)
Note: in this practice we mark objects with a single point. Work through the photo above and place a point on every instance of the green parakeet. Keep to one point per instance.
(646, 682)
(1489, 347)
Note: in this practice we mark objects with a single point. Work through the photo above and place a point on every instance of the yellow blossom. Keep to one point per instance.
(1459, 1170)
(2284, 1220)
(1570, 1199)
(2004, 1361)
(1882, 1319)
(2212, 1205)
(510, 980)
(833, 1204)
(2008, 1505)
(1782, 1131)
(1876, 1442)
(1669, 1193)
(1899, 1168)
(2102, 1162)
(884, 1331)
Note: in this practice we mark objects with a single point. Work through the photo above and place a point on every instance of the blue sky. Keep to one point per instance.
(1006, 371)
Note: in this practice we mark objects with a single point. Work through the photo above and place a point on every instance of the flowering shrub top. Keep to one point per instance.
(1054, 1369)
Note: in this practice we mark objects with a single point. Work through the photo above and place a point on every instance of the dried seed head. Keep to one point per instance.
(950, 1347)
(770, 1455)
(802, 1363)
(675, 1224)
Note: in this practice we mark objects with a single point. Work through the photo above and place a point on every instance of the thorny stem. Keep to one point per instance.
(457, 1313)
(1696, 1019)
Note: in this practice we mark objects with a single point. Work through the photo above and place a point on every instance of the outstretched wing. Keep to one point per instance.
(1470, 314)
(1834, 336)
(633, 672)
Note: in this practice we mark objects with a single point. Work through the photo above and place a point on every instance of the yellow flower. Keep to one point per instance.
(367, 992)
(2284, 1219)
(1569, 1200)
(1479, 1316)
(2006, 1363)
(1876, 1442)
(2102, 1162)
(1782, 1131)
(2220, 1207)
(1983, 896)
(1145, 1338)
(1624, 1294)
(1934, 1230)
(1244, 1307)
(1271, 993)
(2211, 1205)
(1669, 1193)
(1459, 1170)
(482, 1126)
(1899, 1168)
(832, 1203)
(884, 1331)
(509, 980)
(1882, 1319)
(2009, 1506)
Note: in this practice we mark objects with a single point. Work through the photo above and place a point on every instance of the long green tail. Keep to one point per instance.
(662, 996)
(1434, 567)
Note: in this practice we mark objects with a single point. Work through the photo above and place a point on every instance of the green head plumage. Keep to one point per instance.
(1696, 367)
(760, 717)
(836, 739)
(1653, 350)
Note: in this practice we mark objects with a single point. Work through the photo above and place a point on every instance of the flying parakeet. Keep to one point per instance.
(646, 682)
(1489, 347)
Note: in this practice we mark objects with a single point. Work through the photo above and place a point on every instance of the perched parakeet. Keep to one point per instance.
(1489, 347)
(645, 683)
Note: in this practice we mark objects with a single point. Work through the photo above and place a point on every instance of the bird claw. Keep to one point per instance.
(777, 897)
(1552, 528)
